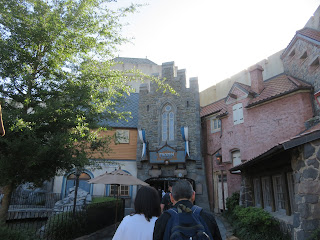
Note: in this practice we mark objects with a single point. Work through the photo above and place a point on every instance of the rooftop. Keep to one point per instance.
(134, 60)
(130, 104)
(277, 86)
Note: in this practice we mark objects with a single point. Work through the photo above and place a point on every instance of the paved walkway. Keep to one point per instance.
(108, 232)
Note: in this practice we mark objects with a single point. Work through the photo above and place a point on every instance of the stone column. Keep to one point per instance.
(305, 164)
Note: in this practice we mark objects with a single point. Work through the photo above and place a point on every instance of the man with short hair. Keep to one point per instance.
(166, 202)
(182, 197)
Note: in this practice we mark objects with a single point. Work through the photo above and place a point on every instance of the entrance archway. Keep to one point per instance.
(162, 182)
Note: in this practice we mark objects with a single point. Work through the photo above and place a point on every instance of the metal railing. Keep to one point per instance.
(67, 223)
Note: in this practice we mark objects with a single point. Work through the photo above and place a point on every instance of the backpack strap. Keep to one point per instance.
(173, 212)
(196, 210)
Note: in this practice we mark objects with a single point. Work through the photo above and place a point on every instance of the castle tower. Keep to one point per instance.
(169, 132)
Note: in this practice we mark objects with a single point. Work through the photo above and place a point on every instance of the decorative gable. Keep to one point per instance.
(236, 93)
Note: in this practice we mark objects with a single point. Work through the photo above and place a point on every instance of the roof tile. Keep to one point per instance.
(310, 33)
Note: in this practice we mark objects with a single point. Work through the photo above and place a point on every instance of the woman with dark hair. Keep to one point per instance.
(140, 224)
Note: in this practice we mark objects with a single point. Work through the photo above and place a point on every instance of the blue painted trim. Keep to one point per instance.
(130, 188)
(64, 181)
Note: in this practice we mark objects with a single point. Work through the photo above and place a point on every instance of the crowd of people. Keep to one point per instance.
(171, 215)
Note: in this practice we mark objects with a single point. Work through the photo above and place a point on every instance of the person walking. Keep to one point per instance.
(140, 224)
(166, 202)
(185, 220)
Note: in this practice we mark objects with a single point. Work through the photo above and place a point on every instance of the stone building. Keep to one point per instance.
(169, 125)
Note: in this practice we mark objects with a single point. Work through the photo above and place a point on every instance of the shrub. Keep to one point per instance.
(255, 223)
(233, 201)
(102, 199)
(9, 234)
(315, 235)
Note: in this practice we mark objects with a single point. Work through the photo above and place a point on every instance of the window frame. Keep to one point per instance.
(257, 192)
(214, 120)
(121, 189)
(267, 193)
(167, 123)
(277, 194)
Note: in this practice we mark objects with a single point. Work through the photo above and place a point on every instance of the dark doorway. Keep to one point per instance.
(162, 182)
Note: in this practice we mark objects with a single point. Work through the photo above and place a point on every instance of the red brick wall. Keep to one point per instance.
(264, 127)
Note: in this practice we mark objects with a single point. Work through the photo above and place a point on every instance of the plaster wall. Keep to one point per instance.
(148, 69)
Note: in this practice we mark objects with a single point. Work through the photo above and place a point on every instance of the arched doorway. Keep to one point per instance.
(162, 182)
(83, 184)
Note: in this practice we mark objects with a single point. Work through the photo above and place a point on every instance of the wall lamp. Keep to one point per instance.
(219, 157)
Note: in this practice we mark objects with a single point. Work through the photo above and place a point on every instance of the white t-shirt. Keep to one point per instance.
(135, 227)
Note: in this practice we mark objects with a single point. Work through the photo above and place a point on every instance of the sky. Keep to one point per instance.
(213, 39)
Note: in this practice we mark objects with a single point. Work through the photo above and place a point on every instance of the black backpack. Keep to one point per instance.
(186, 223)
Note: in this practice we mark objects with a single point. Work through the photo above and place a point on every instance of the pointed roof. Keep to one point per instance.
(129, 104)
(308, 34)
(278, 86)
(216, 107)
(134, 60)
(275, 87)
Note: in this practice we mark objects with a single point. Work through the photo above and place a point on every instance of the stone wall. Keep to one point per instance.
(306, 217)
(187, 114)
(300, 68)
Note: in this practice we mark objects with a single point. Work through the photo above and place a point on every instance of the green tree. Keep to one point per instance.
(56, 85)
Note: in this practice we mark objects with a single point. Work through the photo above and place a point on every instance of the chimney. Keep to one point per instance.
(256, 78)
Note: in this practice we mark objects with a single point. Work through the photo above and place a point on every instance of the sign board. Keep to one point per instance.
(167, 153)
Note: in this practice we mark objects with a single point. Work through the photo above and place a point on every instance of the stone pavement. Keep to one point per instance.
(108, 232)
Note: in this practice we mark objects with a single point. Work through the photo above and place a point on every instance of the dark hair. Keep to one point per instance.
(182, 189)
(170, 184)
(147, 202)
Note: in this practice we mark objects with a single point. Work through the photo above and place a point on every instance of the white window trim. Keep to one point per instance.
(212, 120)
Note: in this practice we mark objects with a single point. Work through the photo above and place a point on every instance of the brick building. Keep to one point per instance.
(267, 134)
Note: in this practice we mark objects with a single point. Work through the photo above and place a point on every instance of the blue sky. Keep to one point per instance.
(213, 39)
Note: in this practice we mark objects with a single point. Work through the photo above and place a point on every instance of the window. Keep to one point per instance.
(237, 114)
(291, 189)
(123, 190)
(257, 192)
(293, 52)
(236, 158)
(122, 136)
(167, 123)
(266, 190)
(215, 125)
(304, 56)
(278, 193)
(315, 64)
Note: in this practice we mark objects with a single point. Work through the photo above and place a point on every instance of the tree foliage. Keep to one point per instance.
(56, 83)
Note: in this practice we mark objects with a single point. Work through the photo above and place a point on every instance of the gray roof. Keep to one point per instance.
(134, 60)
(130, 104)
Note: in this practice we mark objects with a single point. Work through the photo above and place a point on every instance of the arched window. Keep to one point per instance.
(167, 123)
